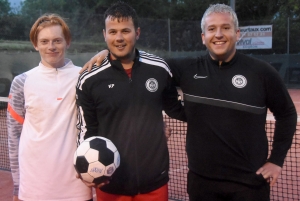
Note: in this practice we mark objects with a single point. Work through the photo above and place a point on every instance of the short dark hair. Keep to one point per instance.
(121, 11)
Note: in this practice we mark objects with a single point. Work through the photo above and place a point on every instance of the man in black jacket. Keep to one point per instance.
(122, 100)
(227, 95)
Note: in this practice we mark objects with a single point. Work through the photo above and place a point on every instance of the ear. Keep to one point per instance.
(36, 48)
(238, 34)
(203, 37)
(137, 33)
(104, 34)
(68, 43)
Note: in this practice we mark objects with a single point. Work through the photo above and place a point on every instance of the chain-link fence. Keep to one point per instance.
(164, 37)
(157, 34)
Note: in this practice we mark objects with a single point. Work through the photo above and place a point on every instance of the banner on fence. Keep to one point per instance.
(255, 37)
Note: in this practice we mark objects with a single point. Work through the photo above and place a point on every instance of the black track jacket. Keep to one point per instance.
(226, 108)
(128, 111)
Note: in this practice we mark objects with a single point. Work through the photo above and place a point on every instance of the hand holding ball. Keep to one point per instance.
(96, 159)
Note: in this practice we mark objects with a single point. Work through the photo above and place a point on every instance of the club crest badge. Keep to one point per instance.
(239, 81)
(151, 85)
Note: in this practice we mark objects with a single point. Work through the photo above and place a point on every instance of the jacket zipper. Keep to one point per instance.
(57, 85)
(135, 142)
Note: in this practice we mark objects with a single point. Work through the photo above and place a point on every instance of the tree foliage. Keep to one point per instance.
(86, 21)
(4, 7)
(10, 23)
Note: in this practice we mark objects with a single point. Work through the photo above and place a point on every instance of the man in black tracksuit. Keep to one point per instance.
(128, 111)
(123, 100)
(226, 97)
(226, 107)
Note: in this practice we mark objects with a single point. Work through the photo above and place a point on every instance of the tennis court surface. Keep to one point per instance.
(286, 189)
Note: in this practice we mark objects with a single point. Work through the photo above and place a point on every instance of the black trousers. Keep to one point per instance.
(204, 189)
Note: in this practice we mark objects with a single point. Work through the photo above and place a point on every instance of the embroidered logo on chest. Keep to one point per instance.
(151, 84)
(239, 81)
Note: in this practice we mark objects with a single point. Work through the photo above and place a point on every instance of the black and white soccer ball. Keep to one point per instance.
(96, 159)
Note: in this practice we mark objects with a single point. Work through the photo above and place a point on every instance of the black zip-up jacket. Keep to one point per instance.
(128, 111)
(226, 107)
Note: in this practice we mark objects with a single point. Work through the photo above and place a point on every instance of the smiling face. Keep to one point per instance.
(51, 45)
(220, 36)
(121, 36)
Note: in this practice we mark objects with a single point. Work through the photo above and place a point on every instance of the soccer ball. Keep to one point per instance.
(96, 159)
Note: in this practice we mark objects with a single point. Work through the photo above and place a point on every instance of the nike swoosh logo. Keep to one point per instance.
(198, 77)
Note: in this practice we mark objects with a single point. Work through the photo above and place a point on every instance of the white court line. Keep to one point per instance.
(178, 169)
(4, 99)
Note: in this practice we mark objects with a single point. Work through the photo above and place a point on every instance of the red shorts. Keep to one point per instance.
(160, 194)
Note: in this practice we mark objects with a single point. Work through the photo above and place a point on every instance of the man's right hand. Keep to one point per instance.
(97, 59)
(92, 184)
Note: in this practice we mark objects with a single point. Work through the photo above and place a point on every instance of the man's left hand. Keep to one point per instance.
(167, 130)
(270, 172)
(97, 60)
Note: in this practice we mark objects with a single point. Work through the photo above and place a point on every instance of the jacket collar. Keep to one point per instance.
(43, 68)
(224, 64)
(118, 64)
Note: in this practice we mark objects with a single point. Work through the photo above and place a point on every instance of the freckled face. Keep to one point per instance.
(220, 36)
(51, 45)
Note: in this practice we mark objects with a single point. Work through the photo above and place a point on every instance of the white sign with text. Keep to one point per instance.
(255, 37)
